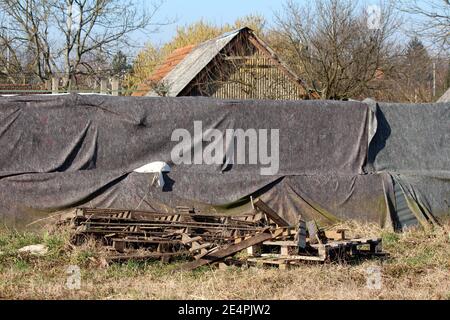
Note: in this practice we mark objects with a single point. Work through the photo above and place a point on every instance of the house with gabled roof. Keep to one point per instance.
(235, 65)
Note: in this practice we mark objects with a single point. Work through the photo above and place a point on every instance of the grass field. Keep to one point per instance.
(418, 268)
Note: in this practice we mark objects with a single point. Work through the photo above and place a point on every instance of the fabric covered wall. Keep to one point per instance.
(64, 151)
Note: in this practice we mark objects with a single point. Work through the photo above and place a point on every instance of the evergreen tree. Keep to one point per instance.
(417, 72)
(418, 59)
(119, 64)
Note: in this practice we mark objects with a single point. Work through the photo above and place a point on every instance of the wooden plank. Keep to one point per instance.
(294, 257)
(268, 260)
(140, 256)
(312, 231)
(228, 251)
(104, 226)
(284, 250)
(305, 258)
(347, 243)
(334, 235)
(280, 243)
(148, 241)
(301, 234)
(187, 240)
(204, 252)
(261, 205)
(200, 247)
(323, 252)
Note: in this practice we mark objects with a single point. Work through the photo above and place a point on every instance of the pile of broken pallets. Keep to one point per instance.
(214, 239)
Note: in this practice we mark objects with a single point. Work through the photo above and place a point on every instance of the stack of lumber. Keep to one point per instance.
(207, 238)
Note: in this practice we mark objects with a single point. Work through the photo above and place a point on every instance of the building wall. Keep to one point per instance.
(259, 78)
(245, 73)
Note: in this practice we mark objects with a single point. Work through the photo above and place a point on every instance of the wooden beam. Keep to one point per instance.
(55, 82)
(138, 256)
(271, 214)
(239, 57)
(301, 234)
(312, 232)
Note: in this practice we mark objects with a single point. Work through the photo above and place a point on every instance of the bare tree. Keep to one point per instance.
(60, 33)
(332, 45)
(14, 53)
(431, 19)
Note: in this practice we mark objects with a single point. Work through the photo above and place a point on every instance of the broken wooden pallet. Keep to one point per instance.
(289, 251)
(204, 237)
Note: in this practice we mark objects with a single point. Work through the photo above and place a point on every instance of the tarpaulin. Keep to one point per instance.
(411, 146)
(74, 132)
(412, 139)
(65, 151)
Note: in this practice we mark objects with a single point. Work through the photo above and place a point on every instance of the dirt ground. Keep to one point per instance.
(418, 268)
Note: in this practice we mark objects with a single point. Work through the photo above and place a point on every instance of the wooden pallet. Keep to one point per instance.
(289, 252)
(205, 238)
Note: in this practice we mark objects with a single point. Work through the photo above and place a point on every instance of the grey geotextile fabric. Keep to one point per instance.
(58, 152)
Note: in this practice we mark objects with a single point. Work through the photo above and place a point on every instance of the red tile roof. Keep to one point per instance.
(163, 69)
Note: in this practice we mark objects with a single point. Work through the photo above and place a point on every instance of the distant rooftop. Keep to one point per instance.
(162, 70)
(183, 65)
(445, 97)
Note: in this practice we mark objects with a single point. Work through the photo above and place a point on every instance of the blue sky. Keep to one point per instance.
(216, 11)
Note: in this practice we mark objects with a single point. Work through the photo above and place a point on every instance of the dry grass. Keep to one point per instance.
(419, 268)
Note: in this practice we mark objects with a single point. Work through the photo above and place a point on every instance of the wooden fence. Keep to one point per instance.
(107, 86)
